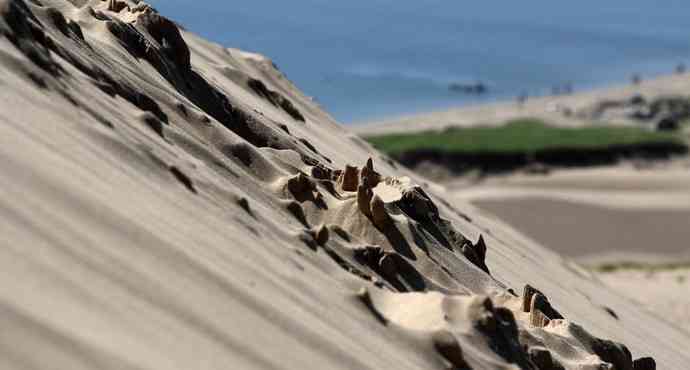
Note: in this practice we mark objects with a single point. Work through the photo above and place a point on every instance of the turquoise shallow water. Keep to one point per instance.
(367, 59)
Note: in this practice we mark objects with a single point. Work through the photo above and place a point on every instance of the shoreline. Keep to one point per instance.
(549, 108)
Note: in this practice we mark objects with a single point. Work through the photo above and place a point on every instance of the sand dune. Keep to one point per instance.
(168, 203)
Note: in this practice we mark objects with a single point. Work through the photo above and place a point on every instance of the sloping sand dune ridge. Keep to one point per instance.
(171, 204)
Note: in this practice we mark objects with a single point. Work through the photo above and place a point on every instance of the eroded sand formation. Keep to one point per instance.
(169, 203)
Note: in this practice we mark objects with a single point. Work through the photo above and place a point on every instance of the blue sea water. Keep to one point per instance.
(369, 59)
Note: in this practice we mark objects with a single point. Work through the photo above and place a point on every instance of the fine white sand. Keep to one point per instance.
(168, 203)
(665, 294)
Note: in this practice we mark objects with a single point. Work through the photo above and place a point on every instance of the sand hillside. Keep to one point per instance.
(611, 216)
(168, 203)
(661, 291)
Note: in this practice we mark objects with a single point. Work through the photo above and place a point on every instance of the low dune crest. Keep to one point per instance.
(170, 203)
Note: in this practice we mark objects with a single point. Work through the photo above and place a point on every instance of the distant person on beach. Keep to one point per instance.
(522, 99)
(680, 68)
(565, 89)
(568, 88)
(636, 79)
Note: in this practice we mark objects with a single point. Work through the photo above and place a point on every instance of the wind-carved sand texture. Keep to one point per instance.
(628, 214)
(171, 204)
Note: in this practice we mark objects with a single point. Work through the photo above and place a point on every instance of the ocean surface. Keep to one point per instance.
(364, 60)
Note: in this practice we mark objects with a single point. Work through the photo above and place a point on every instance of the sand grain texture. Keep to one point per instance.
(665, 293)
(163, 210)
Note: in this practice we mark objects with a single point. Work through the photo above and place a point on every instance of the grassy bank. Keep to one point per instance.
(639, 266)
(526, 142)
(525, 136)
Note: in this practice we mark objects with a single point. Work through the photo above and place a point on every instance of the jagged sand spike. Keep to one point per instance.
(644, 363)
(480, 248)
(388, 265)
(379, 214)
(364, 195)
(527, 293)
(542, 358)
(369, 177)
(322, 235)
(370, 165)
(116, 5)
(300, 184)
(349, 179)
(536, 312)
(320, 172)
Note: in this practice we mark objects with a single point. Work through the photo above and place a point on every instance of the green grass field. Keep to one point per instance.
(519, 136)
(640, 266)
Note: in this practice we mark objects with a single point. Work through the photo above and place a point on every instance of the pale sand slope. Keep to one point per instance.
(157, 216)
(548, 108)
(607, 213)
(663, 293)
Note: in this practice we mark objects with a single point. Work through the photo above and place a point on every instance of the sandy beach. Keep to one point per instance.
(169, 203)
(630, 234)
(617, 212)
(548, 108)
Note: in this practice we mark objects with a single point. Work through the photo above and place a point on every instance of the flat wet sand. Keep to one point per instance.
(581, 230)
